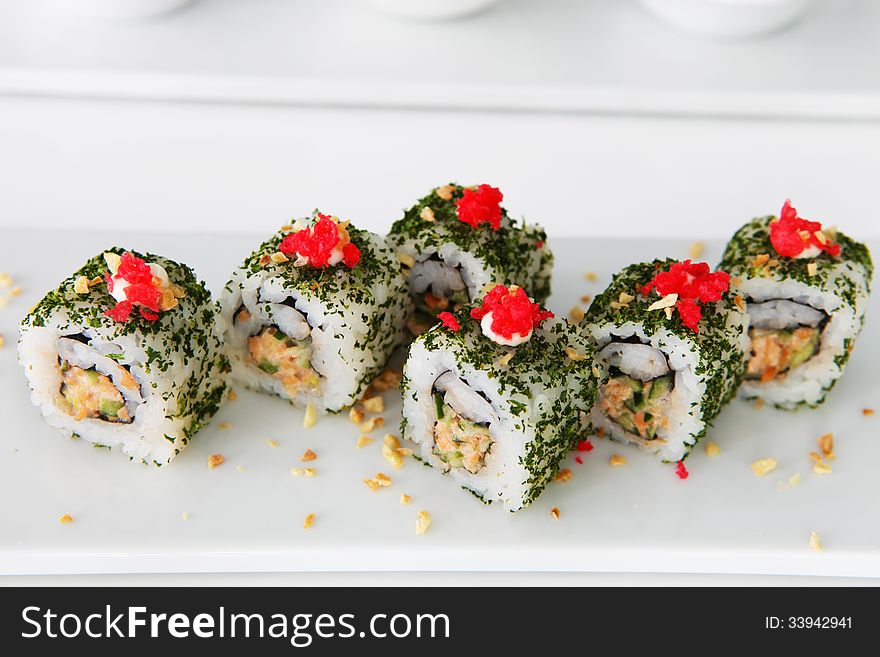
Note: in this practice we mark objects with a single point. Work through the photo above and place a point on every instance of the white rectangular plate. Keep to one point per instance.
(639, 517)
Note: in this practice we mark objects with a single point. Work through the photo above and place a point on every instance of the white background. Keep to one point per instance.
(593, 118)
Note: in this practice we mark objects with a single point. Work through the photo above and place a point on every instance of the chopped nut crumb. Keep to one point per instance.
(303, 472)
(380, 480)
(392, 456)
(363, 441)
(279, 258)
(240, 468)
(826, 443)
(712, 449)
(265, 259)
(445, 192)
(794, 479)
(760, 260)
(309, 455)
(821, 468)
(5, 279)
(576, 314)
(374, 405)
(625, 298)
(2, 341)
(574, 355)
(427, 214)
(867, 412)
(759, 403)
(232, 396)
(696, 250)
(763, 466)
(391, 441)
(214, 460)
(223, 426)
(505, 359)
(600, 432)
(812, 269)
(739, 302)
(406, 260)
(423, 521)
(356, 415)
(815, 542)
(405, 499)
(563, 476)
(81, 285)
(587, 298)
(309, 521)
(616, 460)
(185, 515)
(66, 519)
(666, 302)
(591, 276)
(310, 418)
(272, 443)
(372, 423)
(815, 457)
(555, 513)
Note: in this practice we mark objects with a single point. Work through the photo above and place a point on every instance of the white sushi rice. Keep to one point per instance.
(457, 269)
(810, 381)
(476, 395)
(657, 355)
(144, 438)
(503, 477)
(347, 350)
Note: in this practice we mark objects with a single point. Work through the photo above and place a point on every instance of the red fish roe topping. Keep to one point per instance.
(579, 460)
(513, 313)
(140, 289)
(134, 270)
(681, 471)
(448, 320)
(539, 244)
(585, 446)
(481, 205)
(791, 235)
(694, 284)
(121, 312)
(318, 244)
(351, 255)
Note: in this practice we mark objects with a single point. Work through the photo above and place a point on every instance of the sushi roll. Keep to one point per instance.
(457, 241)
(806, 290)
(670, 344)
(126, 353)
(314, 313)
(493, 396)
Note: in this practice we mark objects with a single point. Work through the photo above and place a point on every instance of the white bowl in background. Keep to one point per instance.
(117, 10)
(430, 9)
(729, 18)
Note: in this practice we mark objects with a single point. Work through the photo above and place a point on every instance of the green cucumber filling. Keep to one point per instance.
(458, 442)
(86, 393)
(288, 360)
(639, 407)
(775, 352)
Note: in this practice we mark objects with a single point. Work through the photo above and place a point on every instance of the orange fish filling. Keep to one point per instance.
(286, 359)
(458, 442)
(774, 352)
(86, 393)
